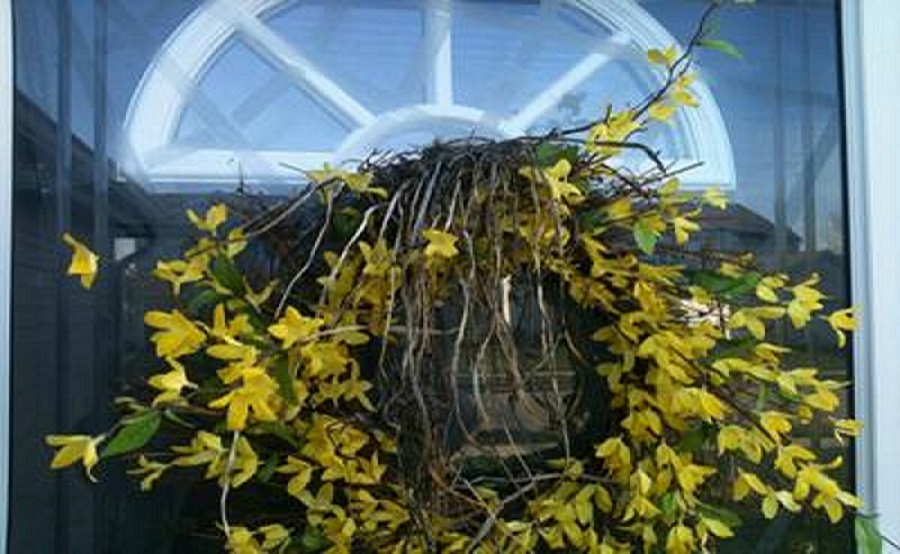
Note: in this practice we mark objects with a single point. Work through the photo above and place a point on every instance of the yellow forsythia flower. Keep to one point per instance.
(255, 395)
(357, 182)
(84, 262)
(74, 448)
(214, 217)
(170, 383)
(840, 321)
(274, 536)
(440, 244)
(847, 428)
(180, 272)
(807, 299)
(715, 197)
(241, 541)
(680, 540)
(665, 57)
(302, 472)
(661, 111)
(151, 470)
(177, 335)
(294, 327)
(616, 128)
(246, 462)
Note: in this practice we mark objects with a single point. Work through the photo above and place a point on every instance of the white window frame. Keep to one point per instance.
(871, 44)
(6, 231)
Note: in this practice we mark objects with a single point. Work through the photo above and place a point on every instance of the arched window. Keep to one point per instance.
(276, 85)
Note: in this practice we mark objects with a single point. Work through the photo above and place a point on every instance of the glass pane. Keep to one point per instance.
(79, 72)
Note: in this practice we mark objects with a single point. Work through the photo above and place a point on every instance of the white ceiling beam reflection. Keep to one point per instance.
(439, 49)
(301, 70)
(550, 97)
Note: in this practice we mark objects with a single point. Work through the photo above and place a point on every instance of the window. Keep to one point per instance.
(127, 112)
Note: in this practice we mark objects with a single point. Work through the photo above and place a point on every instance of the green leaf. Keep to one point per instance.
(277, 429)
(547, 154)
(227, 275)
(591, 221)
(645, 237)
(669, 503)
(868, 538)
(203, 302)
(723, 285)
(346, 222)
(720, 513)
(134, 434)
(722, 46)
(313, 540)
(692, 440)
(175, 418)
(745, 284)
(268, 469)
(711, 281)
(734, 348)
(285, 381)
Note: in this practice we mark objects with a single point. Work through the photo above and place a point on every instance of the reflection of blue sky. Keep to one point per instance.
(780, 104)
(372, 49)
(251, 104)
(785, 86)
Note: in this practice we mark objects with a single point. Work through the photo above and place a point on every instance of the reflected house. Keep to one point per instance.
(739, 229)
(106, 352)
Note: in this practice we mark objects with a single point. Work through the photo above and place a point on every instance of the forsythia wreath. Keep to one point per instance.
(423, 305)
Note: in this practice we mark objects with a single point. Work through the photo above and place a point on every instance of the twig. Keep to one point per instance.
(226, 484)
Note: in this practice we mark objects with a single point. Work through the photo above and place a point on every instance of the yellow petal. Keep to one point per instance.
(75, 448)
(215, 216)
(718, 528)
(666, 57)
(237, 414)
(715, 198)
(661, 111)
(840, 321)
(440, 244)
(294, 326)
(84, 262)
(770, 506)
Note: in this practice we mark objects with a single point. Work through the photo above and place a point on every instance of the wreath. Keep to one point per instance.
(483, 346)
